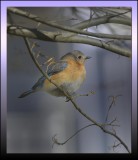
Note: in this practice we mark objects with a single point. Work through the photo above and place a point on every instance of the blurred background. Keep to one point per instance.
(34, 120)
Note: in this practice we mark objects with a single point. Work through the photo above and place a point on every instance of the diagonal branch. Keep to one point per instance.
(101, 126)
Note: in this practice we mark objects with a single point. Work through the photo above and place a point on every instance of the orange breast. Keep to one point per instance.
(74, 72)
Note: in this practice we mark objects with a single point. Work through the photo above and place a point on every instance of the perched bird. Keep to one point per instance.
(68, 73)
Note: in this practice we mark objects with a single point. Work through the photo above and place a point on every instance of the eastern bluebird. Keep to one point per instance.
(68, 73)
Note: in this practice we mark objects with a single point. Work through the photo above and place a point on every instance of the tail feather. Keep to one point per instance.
(26, 93)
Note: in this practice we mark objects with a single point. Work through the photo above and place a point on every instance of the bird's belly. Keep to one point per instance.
(72, 87)
(56, 92)
(69, 88)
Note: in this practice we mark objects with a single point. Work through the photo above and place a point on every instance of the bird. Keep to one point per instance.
(68, 73)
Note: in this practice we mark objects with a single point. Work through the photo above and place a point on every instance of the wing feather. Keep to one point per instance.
(54, 68)
(57, 67)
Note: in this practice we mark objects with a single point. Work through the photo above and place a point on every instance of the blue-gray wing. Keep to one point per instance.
(52, 69)
(56, 67)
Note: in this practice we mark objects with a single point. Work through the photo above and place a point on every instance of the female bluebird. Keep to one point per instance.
(68, 73)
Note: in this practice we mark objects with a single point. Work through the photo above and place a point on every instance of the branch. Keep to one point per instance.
(113, 11)
(87, 94)
(112, 103)
(73, 29)
(103, 20)
(92, 22)
(55, 141)
(101, 126)
(112, 123)
(101, 35)
(59, 37)
(115, 145)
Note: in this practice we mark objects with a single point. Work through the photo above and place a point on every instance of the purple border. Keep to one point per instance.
(5, 4)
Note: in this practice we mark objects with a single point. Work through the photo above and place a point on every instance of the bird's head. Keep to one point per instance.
(77, 56)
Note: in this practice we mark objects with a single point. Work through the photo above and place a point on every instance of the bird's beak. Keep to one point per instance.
(88, 57)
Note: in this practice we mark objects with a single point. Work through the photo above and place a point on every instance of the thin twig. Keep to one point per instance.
(55, 141)
(111, 123)
(112, 103)
(87, 94)
(115, 145)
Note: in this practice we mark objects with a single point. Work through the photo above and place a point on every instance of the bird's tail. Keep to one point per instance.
(26, 93)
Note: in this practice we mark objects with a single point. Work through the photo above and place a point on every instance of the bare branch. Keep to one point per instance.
(101, 126)
(94, 22)
(55, 141)
(112, 103)
(63, 20)
(116, 145)
(59, 37)
(87, 94)
(112, 123)
(72, 29)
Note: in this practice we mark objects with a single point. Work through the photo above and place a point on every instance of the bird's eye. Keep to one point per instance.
(79, 57)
